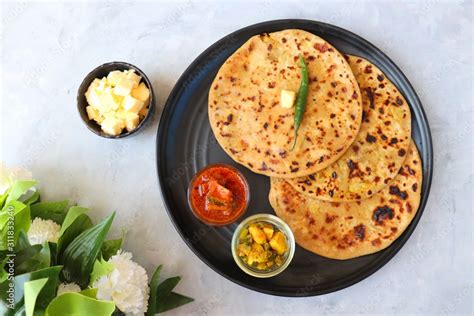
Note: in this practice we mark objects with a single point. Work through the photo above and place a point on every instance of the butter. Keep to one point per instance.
(133, 77)
(118, 101)
(124, 87)
(91, 94)
(112, 125)
(287, 99)
(94, 114)
(132, 122)
(130, 119)
(108, 101)
(141, 92)
(130, 104)
(114, 77)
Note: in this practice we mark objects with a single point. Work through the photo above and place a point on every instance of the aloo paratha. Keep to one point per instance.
(251, 126)
(379, 149)
(344, 230)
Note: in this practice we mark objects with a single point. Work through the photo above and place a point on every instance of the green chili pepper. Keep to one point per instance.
(301, 100)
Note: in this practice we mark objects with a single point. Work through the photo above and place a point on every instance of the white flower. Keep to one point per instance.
(126, 285)
(68, 288)
(43, 230)
(9, 175)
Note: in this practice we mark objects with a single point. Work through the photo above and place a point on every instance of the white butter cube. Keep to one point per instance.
(91, 95)
(130, 104)
(108, 101)
(94, 114)
(287, 99)
(131, 121)
(133, 77)
(124, 87)
(112, 125)
(115, 76)
(94, 84)
(141, 92)
(102, 84)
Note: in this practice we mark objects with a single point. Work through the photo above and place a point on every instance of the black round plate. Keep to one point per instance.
(185, 144)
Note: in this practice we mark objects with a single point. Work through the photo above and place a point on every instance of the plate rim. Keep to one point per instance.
(427, 167)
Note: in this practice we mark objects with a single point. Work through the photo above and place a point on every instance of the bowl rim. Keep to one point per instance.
(88, 80)
(282, 225)
(246, 187)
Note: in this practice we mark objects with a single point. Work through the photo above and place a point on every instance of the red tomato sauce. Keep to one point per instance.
(218, 194)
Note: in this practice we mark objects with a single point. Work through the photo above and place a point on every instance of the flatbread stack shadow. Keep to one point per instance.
(352, 183)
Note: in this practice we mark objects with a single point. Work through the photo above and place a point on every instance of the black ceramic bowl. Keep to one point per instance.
(103, 71)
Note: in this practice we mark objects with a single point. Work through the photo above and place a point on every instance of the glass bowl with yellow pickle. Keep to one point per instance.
(263, 245)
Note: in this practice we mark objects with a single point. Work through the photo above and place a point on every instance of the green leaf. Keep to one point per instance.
(30, 258)
(110, 247)
(167, 286)
(80, 224)
(55, 211)
(101, 267)
(10, 229)
(11, 208)
(77, 304)
(162, 298)
(81, 253)
(32, 289)
(3, 272)
(19, 188)
(92, 293)
(25, 259)
(32, 196)
(3, 198)
(71, 216)
(166, 299)
(22, 242)
(172, 301)
(45, 296)
(155, 279)
(44, 257)
(53, 248)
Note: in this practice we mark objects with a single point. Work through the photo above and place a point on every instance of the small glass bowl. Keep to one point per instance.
(282, 226)
(230, 220)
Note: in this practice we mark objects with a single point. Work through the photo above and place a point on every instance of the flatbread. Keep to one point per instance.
(256, 131)
(351, 229)
(379, 149)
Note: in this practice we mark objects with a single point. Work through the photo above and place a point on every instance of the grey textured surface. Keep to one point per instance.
(48, 48)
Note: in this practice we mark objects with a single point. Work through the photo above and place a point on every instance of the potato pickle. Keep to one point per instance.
(262, 246)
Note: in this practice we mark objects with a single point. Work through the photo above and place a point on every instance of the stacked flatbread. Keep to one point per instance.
(352, 183)
(251, 126)
(344, 230)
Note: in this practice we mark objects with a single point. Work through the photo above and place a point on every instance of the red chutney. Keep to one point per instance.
(218, 194)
